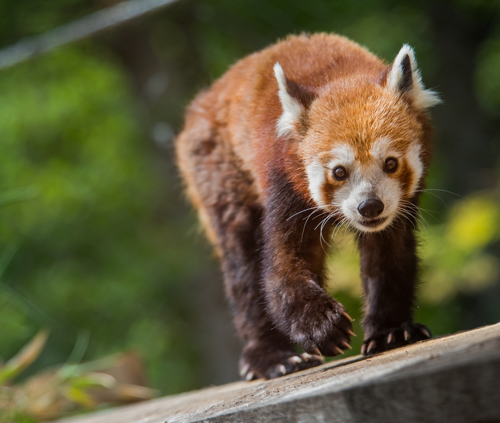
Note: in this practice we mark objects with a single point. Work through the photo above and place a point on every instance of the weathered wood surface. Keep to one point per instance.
(450, 379)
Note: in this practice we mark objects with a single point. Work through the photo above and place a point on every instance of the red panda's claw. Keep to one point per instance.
(295, 359)
(371, 347)
(407, 333)
(347, 316)
(426, 332)
(244, 370)
(363, 349)
(249, 376)
(346, 345)
(268, 362)
(281, 369)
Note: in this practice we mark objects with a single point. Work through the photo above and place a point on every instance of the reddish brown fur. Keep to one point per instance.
(246, 183)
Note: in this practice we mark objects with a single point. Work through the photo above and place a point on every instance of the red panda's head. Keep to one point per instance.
(361, 141)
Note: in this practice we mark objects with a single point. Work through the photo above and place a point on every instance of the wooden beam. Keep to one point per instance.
(450, 379)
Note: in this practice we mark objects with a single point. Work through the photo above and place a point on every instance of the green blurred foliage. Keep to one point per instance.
(94, 233)
(87, 251)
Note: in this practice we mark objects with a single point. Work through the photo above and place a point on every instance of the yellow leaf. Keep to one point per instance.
(474, 224)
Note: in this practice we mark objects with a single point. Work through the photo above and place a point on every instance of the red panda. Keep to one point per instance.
(312, 129)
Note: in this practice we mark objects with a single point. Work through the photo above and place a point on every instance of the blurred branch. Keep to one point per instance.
(86, 27)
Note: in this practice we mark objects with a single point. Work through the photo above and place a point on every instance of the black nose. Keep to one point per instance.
(371, 208)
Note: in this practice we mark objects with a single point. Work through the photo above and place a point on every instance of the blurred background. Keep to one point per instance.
(98, 244)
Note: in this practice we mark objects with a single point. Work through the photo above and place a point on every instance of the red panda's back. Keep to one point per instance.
(243, 106)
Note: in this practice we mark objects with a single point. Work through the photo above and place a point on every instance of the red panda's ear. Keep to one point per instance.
(295, 100)
(404, 78)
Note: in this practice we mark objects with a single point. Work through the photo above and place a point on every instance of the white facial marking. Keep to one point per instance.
(291, 107)
(342, 155)
(316, 177)
(415, 163)
(364, 183)
(422, 98)
(368, 182)
(382, 149)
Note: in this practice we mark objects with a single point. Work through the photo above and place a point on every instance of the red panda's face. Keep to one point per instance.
(360, 140)
(363, 156)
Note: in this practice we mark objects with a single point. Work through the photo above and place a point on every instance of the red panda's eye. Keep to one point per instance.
(340, 173)
(391, 165)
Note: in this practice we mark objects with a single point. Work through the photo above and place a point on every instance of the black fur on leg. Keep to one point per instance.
(389, 268)
(293, 270)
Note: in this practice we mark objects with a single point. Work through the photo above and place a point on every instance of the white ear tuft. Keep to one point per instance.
(404, 77)
(291, 107)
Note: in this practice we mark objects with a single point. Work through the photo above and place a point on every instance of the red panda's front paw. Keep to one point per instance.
(322, 326)
(268, 362)
(407, 333)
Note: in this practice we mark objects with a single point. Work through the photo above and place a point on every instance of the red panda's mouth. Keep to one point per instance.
(372, 223)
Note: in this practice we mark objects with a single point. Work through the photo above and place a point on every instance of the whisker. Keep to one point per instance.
(302, 211)
(321, 231)
(337, 228)
(420, 209)
(404, 213)
(428, 191)
(409, 203)
(327, 217)
(418, 217)
(305, 224)
(436, 189)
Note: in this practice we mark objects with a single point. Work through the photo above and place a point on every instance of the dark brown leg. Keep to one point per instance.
(389, 272)
(293, 275)
(267, 352)
(230, 211)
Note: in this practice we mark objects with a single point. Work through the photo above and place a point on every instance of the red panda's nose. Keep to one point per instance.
(371, 208)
